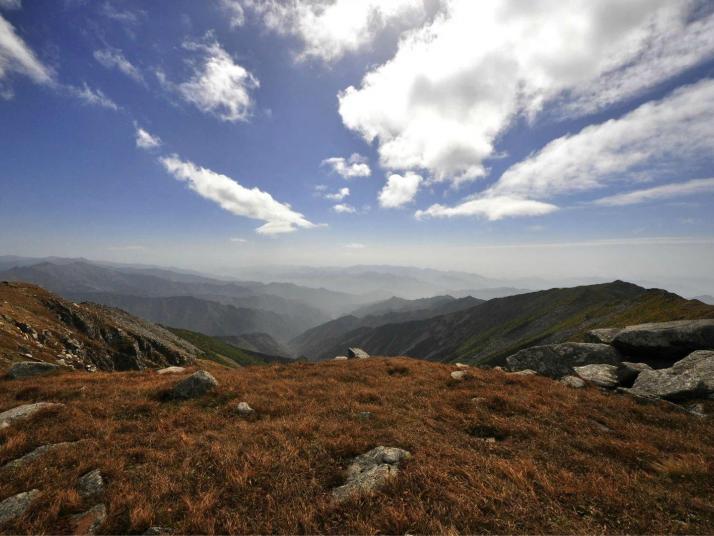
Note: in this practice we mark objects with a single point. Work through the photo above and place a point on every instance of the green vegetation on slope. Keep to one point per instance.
(219, 351)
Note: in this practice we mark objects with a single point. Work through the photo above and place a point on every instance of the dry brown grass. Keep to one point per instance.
(568, 461)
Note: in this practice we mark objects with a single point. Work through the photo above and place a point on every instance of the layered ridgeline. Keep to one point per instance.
(394, 310)
(39, 326)
(489, 332)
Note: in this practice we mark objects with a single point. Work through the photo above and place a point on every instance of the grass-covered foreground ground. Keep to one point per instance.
(564, 460)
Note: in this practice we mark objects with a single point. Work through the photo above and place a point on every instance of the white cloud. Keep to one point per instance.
(344, 208)
(349, 168)
(145, 140)
(330, 29)
(10, 4)
(126, 17)
(660, 137)
(17, 57)
(399, 190)
(665, 191)
(235, 12)
(114, 59)
(491, 208)
(219, 86)
(236, 199)
(339, 195)
(92, 97)
(457, 84)
(354, 245)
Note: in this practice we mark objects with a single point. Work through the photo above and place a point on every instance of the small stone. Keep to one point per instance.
(91, 484)
(525, 372)
(25, 411)
(197, 384)
(462, 365)
(490, 439)
(364, 415)
(244, 410)
(158, 531)
(13, 507)
(356, 353)
(573, 381)
(459, 375)
(341, 358)
(89, 522)
(27, 369)
(171, 370)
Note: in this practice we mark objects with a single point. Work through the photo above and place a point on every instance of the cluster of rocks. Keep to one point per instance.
(668, 360)
(370, 471)
(352, 353)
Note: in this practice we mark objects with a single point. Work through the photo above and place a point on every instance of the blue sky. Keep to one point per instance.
(442, 133)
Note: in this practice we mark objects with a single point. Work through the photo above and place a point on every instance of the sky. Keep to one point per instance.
(507, 138)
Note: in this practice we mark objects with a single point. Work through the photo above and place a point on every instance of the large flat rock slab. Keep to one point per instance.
(663, 343)
(558, 360)
(23, 412)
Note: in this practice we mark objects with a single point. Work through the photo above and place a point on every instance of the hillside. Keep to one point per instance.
(330, 334)
(489, 332)
(400, 305)
(38, 325)
(258, 342)
(497, 454)
(225, 353)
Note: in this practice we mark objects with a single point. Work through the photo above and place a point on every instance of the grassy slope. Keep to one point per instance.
(218, 350)
(570, 461)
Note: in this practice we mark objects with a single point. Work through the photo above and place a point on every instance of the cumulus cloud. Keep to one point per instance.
(491, 208)
(339, 195)
(145, 140)
(114, 59)
(399, 190)
(349, 168)
(219, 86)
(344, 208)
(660, 137)
(329, 30)
(18, 58)
(665, 191)
(457, 83)
(92, 97)
(235, 12)
(236, 199)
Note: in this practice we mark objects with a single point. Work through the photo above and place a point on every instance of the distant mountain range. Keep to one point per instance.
(487, 333)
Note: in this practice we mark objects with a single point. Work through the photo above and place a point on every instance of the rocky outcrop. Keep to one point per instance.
(91, 484)
(692, 377)
(558, 360)
(601, 336)
(27, 369)
(370, 471)
(601, 375)
(663, 343)
(197, 384)
(356, 353)
(573, 381)
(23, 412)
(13, 507)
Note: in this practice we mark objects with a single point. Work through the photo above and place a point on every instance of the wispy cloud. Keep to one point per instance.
(665, 191)
(235, 12)
(238, 240)
(491, 208)
(16, 57)
(145, 140)
(92, 97)
(344, 208)
(348, 168)
(236, 199)
(341, 194)
(114, 59)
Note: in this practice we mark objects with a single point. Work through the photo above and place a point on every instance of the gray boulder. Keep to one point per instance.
(27, 369)
(573, 381)
(602, 336)
(601, 375)
(23, 412)
(89, 522)
(629, 371)
(358, 353)
(525, 372)
(370, 471)
(90, 484)
(666, 342)
(197, 384)
(558, 360)
(244, 410)
(33, 455)
(13, 507)
(459, 375)
(691, 377)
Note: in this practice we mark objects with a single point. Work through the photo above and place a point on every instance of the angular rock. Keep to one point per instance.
(23, 412)
(602, 336)
(691, 377)
(13, 507)
(89, 522)
(663, 343)
(197, 384)
(357, 353)
(171, 370)
(39, 451)
(459, 375)
(558, 360)
(370, 471)
(461, 365)
(244, 410)
(27, 369)
(525, 372)
(629, 371)
(573, 381)
(341, 358)
(601, 375)
(91, 484)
